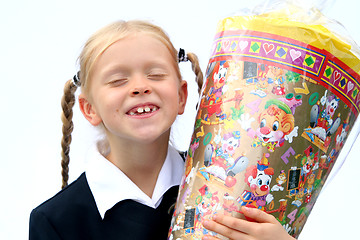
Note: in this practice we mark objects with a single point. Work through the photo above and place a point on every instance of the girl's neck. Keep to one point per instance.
(141, 163)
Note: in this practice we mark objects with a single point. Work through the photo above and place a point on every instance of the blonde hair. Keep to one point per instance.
(93, 48)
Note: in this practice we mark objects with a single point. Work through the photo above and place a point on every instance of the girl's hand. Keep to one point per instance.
(265, 227)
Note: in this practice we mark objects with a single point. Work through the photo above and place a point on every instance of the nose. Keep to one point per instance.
(265, 130)
(140, 86)
(264, 188)
(140, 91)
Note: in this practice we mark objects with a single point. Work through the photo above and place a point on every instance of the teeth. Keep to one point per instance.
(147, 109)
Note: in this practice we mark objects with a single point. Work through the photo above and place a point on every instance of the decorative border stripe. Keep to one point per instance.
(292, 55)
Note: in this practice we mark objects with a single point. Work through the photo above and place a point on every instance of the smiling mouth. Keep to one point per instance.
(142, 110)
(259, 194)
(265, 139)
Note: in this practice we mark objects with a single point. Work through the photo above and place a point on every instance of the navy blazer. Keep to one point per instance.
(72, 214)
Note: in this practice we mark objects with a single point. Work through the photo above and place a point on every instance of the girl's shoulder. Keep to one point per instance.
(74, 197)
(70, 214)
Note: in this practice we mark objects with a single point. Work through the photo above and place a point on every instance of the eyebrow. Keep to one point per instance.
(112, 70)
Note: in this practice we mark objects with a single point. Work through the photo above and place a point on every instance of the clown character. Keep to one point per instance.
(331, 104)
(229, 204)
(340, 137)
(280, 180)
(258, 177)
(223, 165)
(203, 210)
(203, 207)
(219, 78)
(276, 75)
(214, 96)
(229, 142)
(309, 163)
(223, 154)
(207, 203)
(322, 122)
(276, 123)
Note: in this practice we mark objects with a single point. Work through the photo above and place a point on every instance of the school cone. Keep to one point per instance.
(280, 97)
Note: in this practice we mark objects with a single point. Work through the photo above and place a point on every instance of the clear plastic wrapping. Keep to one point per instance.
(280, 97)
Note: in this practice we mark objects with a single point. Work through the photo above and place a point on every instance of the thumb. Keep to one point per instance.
(257, 215)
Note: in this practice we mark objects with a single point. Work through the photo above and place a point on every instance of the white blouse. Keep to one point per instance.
(109, 185)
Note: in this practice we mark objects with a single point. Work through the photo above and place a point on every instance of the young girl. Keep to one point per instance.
(132, 88)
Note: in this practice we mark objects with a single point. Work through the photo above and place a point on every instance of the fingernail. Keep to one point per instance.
(214, 217)
(245, 208)
(205, 223)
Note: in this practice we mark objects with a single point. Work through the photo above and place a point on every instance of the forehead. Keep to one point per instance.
(137, 44)
(135, 49)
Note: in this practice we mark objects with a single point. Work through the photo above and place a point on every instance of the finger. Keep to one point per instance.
(258, 215)
(227, 226)
(209, 237)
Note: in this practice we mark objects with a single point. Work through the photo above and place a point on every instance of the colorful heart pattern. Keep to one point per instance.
(317, 63)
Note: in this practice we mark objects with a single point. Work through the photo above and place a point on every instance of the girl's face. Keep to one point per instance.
(135, 91)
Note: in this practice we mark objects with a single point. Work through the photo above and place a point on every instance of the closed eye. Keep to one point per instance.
(117, 82)
(156, 76)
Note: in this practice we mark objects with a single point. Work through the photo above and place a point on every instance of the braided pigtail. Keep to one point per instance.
(67, 103)
(196, 69)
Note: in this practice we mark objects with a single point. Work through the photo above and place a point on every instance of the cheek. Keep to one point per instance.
(257, 132)
(253, 186)
(278, 134)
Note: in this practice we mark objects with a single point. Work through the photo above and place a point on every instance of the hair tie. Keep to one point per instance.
(182, 56)
(76, 79)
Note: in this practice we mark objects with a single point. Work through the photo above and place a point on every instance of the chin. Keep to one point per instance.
(149, 137)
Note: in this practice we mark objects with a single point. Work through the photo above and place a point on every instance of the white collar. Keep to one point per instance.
(109, 185)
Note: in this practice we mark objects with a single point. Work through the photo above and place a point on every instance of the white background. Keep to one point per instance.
(39, 44)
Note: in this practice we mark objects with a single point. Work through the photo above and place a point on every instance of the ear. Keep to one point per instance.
(287, 127)
(183, 93)
(88, 110)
